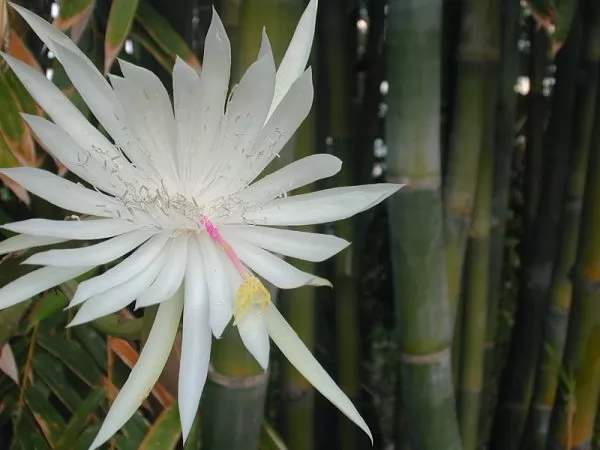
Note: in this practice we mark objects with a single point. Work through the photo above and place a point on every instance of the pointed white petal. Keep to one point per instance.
(220, 291)
(293, 176)
(278, 130)
(118, 297)
(77, 229)
(147, 370)
(59, 108)
(93, 255)
(244, 119)
(63, 193)
(196, 341)
(321, 206)
(171, 275)
(24, 242)
(302, 359)
(271, 268)
(37, 281)
(90, 164)
(255, 337)
(206, 101)
(8, 365)
(297, 54)
(265, 45)
(297, 244)
(91, 85)
(122, 272)
(151, 116)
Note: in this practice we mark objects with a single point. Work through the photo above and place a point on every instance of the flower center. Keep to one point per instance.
(252, 292)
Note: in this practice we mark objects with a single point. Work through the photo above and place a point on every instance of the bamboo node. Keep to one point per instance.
(236, 382)
(425, 359)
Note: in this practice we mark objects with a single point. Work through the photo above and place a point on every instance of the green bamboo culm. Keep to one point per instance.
(517, 382)
(423, 320)
(504, 144)
(575, 409)
(477, 57)
(476, 287)
(234, 399)
(335, 51)
(559, 303)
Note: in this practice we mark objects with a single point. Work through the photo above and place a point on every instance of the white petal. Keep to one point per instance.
(147, 370)
(37, 281)
(278, 130)
(302, 359)
(118, 297)
(63, 193)
(171, 275)
(321, 206)
(220, 291)
(90, 83)
(244, 118)
(271, 268)
(293, 176)
(90, 164)
(59, 108)
(72, 229)
(93, 255)
(8, 365)
(255, 337)
(151, 116)
(196, 341)
(297, 54)
(205, 102)
(297, 244)
(122, 272)
(24, 242)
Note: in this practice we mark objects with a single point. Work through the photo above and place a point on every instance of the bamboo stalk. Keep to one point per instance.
(557, 314)
(423, 318)
(518, 377)
(236, 386)
(573, 417)
(476, 288)
(477, 54)
(334, 52)
(503, 156)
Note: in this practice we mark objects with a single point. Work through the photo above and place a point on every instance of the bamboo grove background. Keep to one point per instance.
(466, 314)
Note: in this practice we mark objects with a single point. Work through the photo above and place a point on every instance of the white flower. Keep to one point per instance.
(177, 190)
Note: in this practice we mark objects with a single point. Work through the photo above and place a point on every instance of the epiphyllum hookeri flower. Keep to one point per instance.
(175, 190)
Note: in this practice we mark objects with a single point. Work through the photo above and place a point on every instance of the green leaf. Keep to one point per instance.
(165, 433)
(52, 371)
(28, 434)
(120, 20)
(161, 32)
(10, 319)
(72, 11)
(80, 418)
(52, 303)
(141, 37)
(48, 419)
(115, 326)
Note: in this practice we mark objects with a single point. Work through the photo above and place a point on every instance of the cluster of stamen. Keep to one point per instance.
(252, 292)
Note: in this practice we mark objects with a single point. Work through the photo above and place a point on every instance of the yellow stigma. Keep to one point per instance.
(251, 292)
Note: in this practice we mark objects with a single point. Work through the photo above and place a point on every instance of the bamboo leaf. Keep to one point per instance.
(120, 20)
(18, 49)
(81, 417)
(29, 435)
(10, 319)
(48, 419)
(52, 372)
(165, 433)
(161, 32)
(73, 12)
(52, 303)
(16, 136)
(142, 38)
